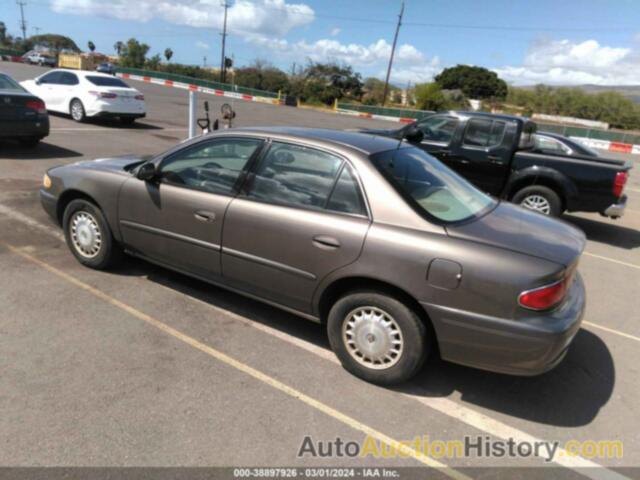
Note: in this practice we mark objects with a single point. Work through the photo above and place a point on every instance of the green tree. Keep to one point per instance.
(168, 53)
(374, 91)
(429, 96)
(91, 46)
(263, 76)
(327, 82)
(3, 33)
(153, 63)
(54, 43)
(475, 82)
(133, 54)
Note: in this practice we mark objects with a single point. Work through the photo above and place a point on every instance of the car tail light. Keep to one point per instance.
(140, 97)
(103, 94)
(37, 105)
(619, 182)
(547, 297)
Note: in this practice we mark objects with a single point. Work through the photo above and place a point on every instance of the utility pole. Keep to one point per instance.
(23, 24)
(37, 29)
(223, 68)
(393, 50)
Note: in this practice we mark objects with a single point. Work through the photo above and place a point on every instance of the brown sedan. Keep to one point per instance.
(390, 249)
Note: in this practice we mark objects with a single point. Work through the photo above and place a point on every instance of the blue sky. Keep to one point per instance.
(526, 42)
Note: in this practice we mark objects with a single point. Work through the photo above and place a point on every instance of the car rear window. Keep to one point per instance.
(8, 83)
(430, 187)
(106, 81)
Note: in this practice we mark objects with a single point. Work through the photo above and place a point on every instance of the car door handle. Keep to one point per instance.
(494, 159)
(204, 216)
(326, 242)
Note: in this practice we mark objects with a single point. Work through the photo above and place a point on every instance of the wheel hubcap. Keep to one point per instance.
(85, 234)
(372, 337)
(537, 203)
(76, 111)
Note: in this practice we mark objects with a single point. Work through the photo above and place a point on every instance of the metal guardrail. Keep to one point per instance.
(201, 82)
(386, 111)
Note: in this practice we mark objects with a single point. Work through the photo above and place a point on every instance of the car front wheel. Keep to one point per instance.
(77, 110)
(377, 337)
(88, 235)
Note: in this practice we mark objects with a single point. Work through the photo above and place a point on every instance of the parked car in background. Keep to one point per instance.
(23, 116)
(392, 250)
(555, 144)
(84, 94)
(36, 58)
(108, 68)
(498, 154)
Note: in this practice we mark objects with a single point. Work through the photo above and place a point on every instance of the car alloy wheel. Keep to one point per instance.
(373, 338)
(537, 203)
(85, 234)
(77, 111)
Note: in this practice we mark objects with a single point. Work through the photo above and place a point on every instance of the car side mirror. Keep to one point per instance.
(147, 172)
(38, 82)
(413, 134)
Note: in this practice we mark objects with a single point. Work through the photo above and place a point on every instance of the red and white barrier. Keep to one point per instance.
(375, 116)
(197, 88)
(617, 147)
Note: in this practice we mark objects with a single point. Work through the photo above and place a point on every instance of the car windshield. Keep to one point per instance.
(107, 81)
(430, 186)
(8, 83)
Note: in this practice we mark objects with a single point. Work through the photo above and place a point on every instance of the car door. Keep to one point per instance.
(47, 87)
(68, 89)
(439, 132)
(177, 219)
(300, 216)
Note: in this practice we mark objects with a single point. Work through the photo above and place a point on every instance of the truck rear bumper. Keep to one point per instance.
(617, 209)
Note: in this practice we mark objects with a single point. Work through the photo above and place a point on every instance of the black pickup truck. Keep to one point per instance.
(498, 154)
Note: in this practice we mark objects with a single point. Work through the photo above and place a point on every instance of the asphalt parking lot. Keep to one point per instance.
(144, 367)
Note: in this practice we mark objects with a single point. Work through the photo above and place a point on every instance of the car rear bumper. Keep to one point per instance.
(118, 114)
(24, 128)
(617, 209)
(133, 109)
(528, 346)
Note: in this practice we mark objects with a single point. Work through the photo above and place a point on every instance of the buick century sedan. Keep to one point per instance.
(392, 251)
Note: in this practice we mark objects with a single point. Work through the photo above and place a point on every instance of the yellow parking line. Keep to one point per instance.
(258, 375)
(611, 330)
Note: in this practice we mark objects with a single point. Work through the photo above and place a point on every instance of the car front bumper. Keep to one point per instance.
(617, 209)
(527, 346)
(49, 203)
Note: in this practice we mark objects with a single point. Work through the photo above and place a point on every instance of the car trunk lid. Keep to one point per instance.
(514, 228)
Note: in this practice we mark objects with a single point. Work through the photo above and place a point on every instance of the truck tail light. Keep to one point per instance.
(37, 105)
(619, 182)
(547, 297)
(103, 94)
(140, 97)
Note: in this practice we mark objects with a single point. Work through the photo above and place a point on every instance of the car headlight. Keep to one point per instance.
(46, 181)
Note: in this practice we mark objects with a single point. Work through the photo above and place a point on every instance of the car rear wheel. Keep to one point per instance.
(540, 199)
(77, 110)
(88, 235)
(377, 337)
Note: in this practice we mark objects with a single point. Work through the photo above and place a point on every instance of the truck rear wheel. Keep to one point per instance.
(540, 199)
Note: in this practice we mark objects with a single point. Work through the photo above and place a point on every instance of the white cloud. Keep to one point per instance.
(564, 62)
(202, 45)
(335, 32)
(265, 17)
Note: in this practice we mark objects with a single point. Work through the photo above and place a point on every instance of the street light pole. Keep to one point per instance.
(23, 24)
(393, 49)
(223, 72)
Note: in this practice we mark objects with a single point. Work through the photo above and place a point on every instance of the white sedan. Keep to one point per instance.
(83, 94)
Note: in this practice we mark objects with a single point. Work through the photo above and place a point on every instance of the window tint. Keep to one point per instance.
(69, 78)
(106, 81)
(482, 132)
(53, 77)
(295, 175)
(346, 196)
(438, 128)
(212, 166)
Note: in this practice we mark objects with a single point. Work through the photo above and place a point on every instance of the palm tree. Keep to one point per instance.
(118, 46)
(168, 53)
(92, 46)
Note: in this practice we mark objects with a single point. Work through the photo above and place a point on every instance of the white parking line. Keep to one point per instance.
(445, 406)
(611, 330)
(612, 260)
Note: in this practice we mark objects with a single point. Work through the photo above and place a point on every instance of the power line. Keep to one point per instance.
(23, 24)
(393, 50)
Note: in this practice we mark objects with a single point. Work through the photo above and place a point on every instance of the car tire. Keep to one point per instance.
(372, 321)
(539, 198)
(88, 235)
(76, 110)
(127, 120)
(29, 142)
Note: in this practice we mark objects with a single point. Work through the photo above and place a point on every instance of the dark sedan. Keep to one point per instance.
(394, 252)
(108, 68)
(555, 144)
(23, 116)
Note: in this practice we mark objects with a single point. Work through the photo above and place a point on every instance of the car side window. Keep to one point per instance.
(481, 132)
(51, 78)
(211, 166)
(295, 175)
(69, 79)
(346, 196)
(438, 128)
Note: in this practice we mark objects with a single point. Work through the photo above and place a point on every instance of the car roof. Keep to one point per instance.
(82, 73)
(364, 142)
